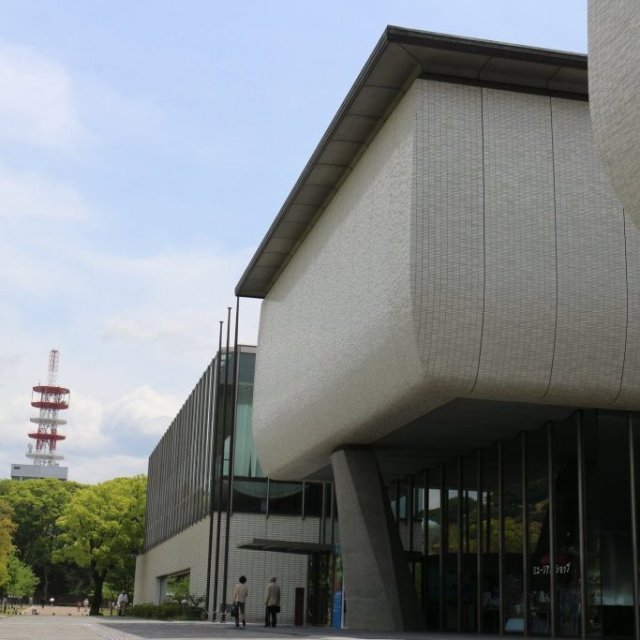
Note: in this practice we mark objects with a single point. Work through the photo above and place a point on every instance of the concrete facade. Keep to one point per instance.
(187, 553)
(273, 528)
(614, 86)
(452, 286)
(476, 251)
(379, 588)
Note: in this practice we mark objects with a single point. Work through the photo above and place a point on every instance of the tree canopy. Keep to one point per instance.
(22, 580)
(6, 547)
(36, 505)
(102, 529)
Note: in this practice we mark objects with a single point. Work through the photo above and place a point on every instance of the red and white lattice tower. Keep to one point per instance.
(50, 399)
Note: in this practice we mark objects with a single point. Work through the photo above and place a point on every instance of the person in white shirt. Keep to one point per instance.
(240, 593)
(123, 600)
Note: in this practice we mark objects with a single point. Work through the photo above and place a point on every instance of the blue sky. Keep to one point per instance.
(145, 148)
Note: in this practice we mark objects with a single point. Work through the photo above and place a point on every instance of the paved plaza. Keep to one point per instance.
(62, 623)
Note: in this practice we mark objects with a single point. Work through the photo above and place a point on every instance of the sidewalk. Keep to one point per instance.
(48, 610)
(66, 626)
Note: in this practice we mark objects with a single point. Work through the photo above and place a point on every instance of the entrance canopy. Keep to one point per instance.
(286, 546)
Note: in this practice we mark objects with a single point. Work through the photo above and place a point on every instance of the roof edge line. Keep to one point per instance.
(375, 55)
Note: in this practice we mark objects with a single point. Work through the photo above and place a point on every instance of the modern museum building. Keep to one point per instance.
(212, 515)
(450, 332)
(438, 429)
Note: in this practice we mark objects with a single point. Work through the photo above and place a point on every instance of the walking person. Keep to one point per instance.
(122, 602)
(240, 593)
(272, 603)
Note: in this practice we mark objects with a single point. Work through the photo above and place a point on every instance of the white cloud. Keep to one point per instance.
(109, 439)
(141, 411)
(7, 362)
(15, 421)
(125, 391)
(135, 333)
(182, 295)
(103, 440)
(99, 468)
(148, 326)
(14, 427)
(39, 216)
(116, 117)
(84, 429)
(28, 197)
(36, 101)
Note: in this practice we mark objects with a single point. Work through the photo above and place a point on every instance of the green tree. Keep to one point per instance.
(37, 504)
(6, 547)
(22, 580)
(101, 530)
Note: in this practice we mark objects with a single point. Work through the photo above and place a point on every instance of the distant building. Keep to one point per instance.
(209, 521)
(35, 471)
(50, 399)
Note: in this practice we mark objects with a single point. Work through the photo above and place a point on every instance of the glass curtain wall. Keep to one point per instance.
(490, 579)
(535, 535)
(182, 464)
(537, 501)
(178, 491)
(513, 619)
(250, 487)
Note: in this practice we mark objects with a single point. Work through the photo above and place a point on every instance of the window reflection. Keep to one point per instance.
(538, 547)
(285, 498)
(489, 542)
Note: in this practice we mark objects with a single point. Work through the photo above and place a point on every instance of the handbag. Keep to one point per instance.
(278, 609)
(233, 610)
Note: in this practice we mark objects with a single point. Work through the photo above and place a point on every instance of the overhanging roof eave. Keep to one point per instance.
(400, 56)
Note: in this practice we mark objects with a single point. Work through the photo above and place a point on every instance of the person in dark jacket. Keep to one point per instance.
(272, 603)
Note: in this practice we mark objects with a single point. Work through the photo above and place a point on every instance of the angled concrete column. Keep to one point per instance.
(379, 591)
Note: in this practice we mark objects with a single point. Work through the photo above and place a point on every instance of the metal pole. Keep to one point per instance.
(488, 511)
(332, 515)
(479, 558)
(552, 531)
(525, 534)
(223, 614)
(467, 521)
(501, 541)
(212, 487)
(425, 545)
(208, 469)
(332, 539)
(410, 519)
(460, 542)
(266, 514)
(581, 528)
(634, 526)
(443, 547)
(323, 513)
(232, 441)
(304, 499)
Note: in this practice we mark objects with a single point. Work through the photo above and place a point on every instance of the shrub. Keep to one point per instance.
(145, 610)
(167, 611)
